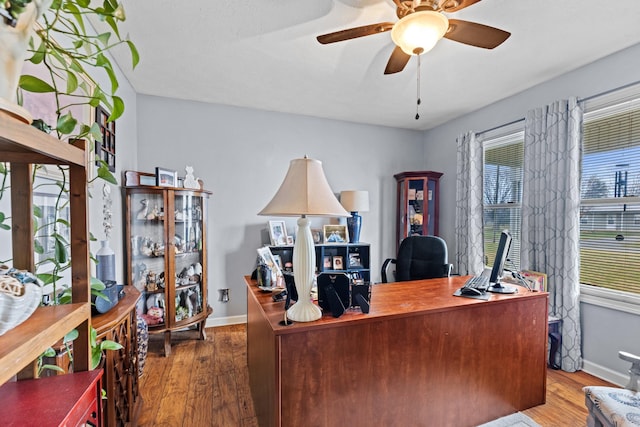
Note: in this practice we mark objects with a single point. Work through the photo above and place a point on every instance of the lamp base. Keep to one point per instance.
(304, 311)
(354, 223)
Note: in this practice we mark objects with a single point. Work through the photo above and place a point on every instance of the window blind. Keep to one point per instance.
(610, 193)
(502, 194)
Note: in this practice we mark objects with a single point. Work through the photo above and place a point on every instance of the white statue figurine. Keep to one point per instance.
(189, 180)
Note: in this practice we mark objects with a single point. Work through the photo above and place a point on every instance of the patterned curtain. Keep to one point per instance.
(551, 214)
(469, 241)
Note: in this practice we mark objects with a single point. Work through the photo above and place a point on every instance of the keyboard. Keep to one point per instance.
(480, 283)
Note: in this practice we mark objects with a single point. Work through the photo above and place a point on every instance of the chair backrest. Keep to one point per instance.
(422, 257)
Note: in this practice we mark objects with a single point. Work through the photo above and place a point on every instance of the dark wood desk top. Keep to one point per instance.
(388, 300)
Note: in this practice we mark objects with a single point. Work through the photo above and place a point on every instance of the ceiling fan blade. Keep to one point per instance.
(354, 33)
(475, 34)
(397, 61)
(456, 5)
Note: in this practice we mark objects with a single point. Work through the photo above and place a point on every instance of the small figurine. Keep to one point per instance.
(142, 213)
(189, 180)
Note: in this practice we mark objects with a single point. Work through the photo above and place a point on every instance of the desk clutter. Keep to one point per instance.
(339, 292)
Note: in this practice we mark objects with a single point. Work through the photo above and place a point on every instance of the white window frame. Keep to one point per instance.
(594, 108)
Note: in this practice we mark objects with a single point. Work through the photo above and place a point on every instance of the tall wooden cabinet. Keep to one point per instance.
(418, 207)
(22, 146)
(166, 239)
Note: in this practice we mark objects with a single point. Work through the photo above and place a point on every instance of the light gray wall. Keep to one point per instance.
(612, 72)
(242, 155)
(126, 158)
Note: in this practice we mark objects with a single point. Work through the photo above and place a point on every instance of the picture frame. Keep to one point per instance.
(105, 149)
(267, 257)
(327, 263)
(354, 260)
(166, 177)
(335, 234)
(278, 233)
(338, 263)
(316, 233)
(290, 241)
(278, 260)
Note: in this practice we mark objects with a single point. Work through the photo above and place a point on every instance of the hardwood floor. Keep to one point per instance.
(205, 383)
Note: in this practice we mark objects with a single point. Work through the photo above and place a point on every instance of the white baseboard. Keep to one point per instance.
(225, 321)
(604, 373)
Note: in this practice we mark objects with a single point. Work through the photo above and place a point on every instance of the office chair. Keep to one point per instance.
(419, 257)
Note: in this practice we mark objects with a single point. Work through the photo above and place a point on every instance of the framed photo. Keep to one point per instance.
(278, 233)
(316, 233)
(335, 234)
(106, 150)
(278, 261)
(166, 177)
(269, 259)
(327, 263)
(290, 241)
(337, 263)
(354, 260)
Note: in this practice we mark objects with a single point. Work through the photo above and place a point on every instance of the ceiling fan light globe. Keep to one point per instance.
(419, 32)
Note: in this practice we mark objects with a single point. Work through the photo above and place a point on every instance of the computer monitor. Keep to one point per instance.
(498, 266)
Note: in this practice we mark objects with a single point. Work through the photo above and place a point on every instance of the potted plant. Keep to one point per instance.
(57, 35)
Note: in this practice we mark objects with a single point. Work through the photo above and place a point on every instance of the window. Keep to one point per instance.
(610, 193)
(502, 194)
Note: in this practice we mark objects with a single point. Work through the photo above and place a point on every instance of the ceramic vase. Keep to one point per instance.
(106, 267)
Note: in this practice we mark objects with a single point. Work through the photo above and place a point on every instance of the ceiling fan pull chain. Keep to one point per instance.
(418, 90)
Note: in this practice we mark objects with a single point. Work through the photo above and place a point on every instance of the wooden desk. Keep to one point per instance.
(421, 357)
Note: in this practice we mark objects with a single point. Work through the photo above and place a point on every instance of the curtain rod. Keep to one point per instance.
(501, 126)
(587, 98)
(607, 92)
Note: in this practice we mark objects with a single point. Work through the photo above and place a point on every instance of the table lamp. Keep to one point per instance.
(354, 202)
(304, 192)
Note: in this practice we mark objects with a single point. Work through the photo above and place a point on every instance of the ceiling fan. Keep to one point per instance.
(422, 23)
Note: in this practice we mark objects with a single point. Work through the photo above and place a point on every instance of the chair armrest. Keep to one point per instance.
(386, 263)
(634, 372)
(447, 270)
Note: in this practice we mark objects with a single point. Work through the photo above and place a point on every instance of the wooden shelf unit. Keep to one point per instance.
(22, 146)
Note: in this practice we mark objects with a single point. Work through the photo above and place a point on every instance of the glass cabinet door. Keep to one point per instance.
(417, 204)
(148, 245)
(188, 221)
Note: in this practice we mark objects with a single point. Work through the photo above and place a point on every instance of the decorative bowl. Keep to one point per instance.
(18, 301)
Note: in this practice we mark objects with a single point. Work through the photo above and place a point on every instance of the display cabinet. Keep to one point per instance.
(350, 258)
(166, 253)
(417, 207)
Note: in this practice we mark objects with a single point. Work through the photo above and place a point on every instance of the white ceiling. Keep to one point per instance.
(263, 54)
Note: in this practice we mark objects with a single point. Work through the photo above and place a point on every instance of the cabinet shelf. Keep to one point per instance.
(326, 252)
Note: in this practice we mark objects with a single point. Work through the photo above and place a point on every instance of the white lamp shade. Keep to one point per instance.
(304, 191)
(419, 31)
(355, 200)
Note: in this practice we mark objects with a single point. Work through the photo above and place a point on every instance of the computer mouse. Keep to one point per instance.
(470, 291)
